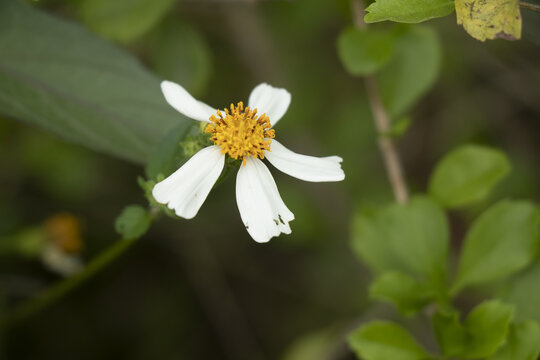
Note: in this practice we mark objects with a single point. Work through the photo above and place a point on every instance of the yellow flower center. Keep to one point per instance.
(241, 132)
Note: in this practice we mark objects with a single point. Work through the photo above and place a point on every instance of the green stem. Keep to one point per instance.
(529, 6)
(57, 291)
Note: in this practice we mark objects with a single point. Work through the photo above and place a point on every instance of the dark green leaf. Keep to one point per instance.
(412, 71)
(523, 343)
(363, 52)
(381, 340)
(502, 240)
(56, 75)
(123, 20)
(486, 326)
(408, 11)
(406, 293)
(467, 174)
(133, 222)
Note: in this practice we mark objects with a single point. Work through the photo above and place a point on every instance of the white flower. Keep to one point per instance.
(242, 134)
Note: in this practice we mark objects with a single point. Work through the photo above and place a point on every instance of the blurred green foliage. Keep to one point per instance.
(301, 293)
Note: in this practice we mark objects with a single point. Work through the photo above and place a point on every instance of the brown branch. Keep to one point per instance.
(382, 122)
(529, 6)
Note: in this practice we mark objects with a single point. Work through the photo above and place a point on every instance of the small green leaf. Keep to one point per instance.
(363, 52)
(412, 238)
(381, 340)
(408, 11)
(418, 232)
(371, 246)
(133, 222)
(123, 20)
(450, 333)
(523, 343)
(523, 291)
(413, 69)
(467, 175)
(503, 240)
(407, 294)
(486, 326)
(399, 127)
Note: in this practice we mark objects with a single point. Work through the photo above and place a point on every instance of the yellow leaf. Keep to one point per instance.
(490, 19)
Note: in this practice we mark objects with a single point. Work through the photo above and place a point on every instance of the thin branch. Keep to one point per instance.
(382, 122)
(529, 6)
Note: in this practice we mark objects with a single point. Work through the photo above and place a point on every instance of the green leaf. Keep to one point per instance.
(450, 333)
(406, 293)
(503, 240)
(523, 291)
(408, 11)
(123, 20)
(413, 69)
(418, 233)
(56, 75)
(523, 343)
(363, 52)
(412, 237)
(467, 174)
(179, 53)
(133, 222)
(371, 246)
(381, 340)
(486, 326)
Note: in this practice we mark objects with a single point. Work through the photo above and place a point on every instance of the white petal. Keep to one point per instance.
(187, 188)
(272, 101)
(308, 168)
(262, 211)
(181, 100)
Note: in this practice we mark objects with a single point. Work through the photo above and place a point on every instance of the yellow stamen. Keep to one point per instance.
(241, 132)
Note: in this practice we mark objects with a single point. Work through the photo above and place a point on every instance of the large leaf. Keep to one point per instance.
(123, 20)
(467, 174)
(502, 241)
(408, 11)
(381, 340)
(58, 76)
(412, 70)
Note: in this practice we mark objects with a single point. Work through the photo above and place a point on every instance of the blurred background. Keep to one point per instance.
(203, 289)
